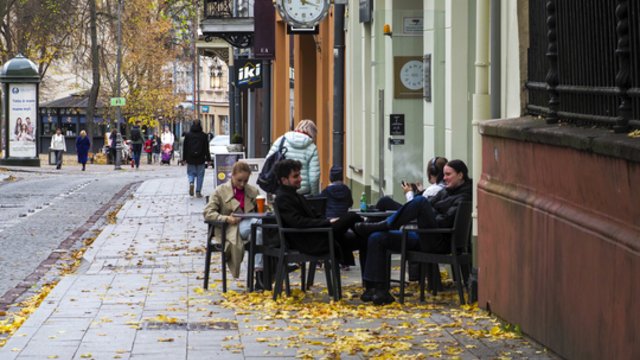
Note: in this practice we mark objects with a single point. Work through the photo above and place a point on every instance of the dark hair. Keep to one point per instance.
(335, 174)
(286, 167)
(435, 168)
(460, 167)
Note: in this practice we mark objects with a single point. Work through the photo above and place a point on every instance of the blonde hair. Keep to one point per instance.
(308, 127)
(240, 166)
(83, 133)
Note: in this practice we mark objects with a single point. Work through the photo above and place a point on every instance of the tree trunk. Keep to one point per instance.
(95, 67)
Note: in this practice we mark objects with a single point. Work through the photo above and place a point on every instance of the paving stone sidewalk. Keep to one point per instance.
(138, 295)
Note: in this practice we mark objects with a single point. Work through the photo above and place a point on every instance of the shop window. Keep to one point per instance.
(69, 126)
(49, 125)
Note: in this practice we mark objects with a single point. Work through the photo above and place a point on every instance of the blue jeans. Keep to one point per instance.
(379, 242)
(196, 171)
(137, 149)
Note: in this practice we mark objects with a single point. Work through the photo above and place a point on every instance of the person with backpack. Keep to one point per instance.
(195, 152)
(136, 143)
(300, 145)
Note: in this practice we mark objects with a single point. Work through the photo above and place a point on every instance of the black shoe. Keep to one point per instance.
(382, 297)
(191, 189)
(259, 286)
(364, 229)
(367, 295)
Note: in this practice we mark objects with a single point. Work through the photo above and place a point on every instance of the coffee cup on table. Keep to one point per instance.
(260, 203)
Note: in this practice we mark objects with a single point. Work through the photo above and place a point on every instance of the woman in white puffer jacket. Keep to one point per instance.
(301, 146)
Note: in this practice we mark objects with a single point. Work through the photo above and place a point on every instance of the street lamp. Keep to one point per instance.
(216, 74)
(118, 159)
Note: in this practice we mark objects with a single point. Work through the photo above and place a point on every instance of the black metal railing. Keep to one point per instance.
(584, 62)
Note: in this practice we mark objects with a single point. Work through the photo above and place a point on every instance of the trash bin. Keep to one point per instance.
(52, 157)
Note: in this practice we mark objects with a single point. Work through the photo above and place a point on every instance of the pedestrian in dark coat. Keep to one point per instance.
(297, 213)
(195, 152)
(339, 198)
(136, 143)
(83, 144)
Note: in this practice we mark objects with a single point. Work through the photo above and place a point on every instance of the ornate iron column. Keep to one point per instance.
(623, 77)
(552, 55)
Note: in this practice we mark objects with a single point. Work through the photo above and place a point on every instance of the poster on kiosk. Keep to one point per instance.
(22, 120)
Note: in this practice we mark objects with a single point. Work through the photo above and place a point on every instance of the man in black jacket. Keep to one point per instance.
(196, 153)
(296, 212)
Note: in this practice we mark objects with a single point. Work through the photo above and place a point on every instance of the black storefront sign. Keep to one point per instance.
(365, 11)
(249, 73)
(397, 124)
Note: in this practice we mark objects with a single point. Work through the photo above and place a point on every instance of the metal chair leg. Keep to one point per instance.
(327, 274)
(280, 270)
(223, 243)
(303, 274)
(207, 260)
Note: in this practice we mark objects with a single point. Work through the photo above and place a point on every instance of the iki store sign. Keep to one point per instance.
(249, 73)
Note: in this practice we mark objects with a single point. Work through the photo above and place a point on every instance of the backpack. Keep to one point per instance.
(267, 180)
(135, 135)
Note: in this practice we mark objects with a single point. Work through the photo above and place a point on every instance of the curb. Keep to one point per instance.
(47, 264)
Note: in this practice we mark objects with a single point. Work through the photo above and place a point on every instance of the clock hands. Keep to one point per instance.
(307, 2)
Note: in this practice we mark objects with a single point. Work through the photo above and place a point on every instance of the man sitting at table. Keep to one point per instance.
(296, 212)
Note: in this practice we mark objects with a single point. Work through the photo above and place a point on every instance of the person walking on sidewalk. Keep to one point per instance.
(83, 144)
(58, 145)
(157, 149)
(195, 153)
(136, 143)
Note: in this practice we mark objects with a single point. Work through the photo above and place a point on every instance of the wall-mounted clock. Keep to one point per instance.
(408, 77)
(303, 13)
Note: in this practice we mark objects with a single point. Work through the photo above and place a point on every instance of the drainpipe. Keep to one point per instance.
(266, 108)
(481, 100)
(496, 64)
(338, 82)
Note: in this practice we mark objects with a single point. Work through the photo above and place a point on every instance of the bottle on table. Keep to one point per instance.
(363, 202)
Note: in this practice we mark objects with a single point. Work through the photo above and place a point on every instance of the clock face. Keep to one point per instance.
(411, 75)
(303, 12)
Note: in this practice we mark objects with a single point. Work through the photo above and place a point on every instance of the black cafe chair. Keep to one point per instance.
(214, 246)
(285, 255)
(459, 255)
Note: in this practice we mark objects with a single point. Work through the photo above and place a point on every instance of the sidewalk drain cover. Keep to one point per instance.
(190, 326)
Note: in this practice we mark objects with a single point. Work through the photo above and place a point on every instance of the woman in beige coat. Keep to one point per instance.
(232, 197)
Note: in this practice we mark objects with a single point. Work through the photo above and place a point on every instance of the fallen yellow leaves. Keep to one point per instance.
(164, 319)
(13, 321)
(634, 134)
(166, 340)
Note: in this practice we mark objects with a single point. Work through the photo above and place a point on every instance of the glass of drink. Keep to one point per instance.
(260, 203)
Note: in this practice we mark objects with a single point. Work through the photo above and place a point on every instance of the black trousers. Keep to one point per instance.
(345, 238)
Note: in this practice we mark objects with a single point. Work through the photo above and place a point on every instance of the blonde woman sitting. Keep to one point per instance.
(232, 197)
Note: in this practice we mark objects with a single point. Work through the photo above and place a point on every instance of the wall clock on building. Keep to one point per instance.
(303, 13)
(408, 77)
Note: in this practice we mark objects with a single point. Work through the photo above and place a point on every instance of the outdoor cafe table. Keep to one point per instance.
(253, 247)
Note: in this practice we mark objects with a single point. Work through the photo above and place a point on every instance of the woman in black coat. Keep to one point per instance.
(436, 212)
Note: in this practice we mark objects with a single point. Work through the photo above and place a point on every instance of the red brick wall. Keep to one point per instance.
(559, 246)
